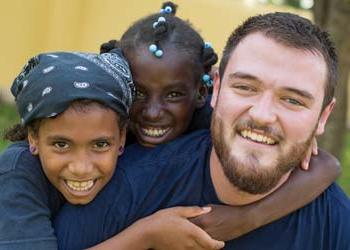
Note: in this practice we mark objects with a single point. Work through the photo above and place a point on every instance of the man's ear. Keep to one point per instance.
(202, 95)
(324, 117)
(33, 142)
(216, 88)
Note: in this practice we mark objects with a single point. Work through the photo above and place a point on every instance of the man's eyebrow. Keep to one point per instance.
(243, 75)
(300, 92)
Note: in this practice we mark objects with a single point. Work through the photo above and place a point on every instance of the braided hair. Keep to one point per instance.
(165, 28)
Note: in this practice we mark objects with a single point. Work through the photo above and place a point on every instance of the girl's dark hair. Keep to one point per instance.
(19, 132)
(174, 31)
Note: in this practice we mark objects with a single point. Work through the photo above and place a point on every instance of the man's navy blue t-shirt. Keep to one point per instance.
(178, 173)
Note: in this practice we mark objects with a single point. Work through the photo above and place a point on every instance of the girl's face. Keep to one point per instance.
(78, 150)
(167, 95)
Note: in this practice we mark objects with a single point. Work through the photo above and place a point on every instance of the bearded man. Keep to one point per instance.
(273, 93)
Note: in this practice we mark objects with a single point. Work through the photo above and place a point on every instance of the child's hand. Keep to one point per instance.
(225, 222)
(171, 229)
(312, 150)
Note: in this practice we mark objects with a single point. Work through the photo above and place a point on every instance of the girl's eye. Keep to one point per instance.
(101, 145)
(61, 145)
(139, 94)
(174, 94)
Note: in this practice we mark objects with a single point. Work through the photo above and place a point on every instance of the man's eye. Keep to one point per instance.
(245, 88)
(293, 101)
(60, 145)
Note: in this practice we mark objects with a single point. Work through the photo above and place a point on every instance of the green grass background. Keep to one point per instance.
(8, 117)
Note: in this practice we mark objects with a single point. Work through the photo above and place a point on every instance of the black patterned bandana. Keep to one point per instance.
(49, 82)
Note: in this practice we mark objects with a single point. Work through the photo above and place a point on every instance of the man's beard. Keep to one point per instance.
(248, 176)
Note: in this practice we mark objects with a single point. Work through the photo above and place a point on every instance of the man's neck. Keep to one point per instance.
(229, 194)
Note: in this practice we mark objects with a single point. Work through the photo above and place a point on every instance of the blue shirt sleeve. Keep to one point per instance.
(25, 215)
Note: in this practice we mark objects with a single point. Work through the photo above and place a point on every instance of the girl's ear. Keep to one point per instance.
(33, 142)
(122, 140)
(202, 95)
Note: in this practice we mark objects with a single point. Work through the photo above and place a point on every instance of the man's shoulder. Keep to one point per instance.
(335, 199)
(336, 194)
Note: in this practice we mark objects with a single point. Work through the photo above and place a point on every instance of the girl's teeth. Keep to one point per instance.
(155, 132)
(80, 185)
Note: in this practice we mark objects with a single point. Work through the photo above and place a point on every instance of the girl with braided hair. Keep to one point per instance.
(171, 67)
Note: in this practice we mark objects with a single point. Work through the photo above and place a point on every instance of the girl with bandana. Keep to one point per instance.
(74, 109)
(171, 67)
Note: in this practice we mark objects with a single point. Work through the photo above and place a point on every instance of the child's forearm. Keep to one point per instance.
(166, 229)
(226, 223)
(134, 237)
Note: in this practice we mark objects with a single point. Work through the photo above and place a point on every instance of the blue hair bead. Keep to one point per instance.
(206, 78)
(209, 83)
(153, 48)
(168, 9)
(158, 53)
(207, 45)
(161, 19)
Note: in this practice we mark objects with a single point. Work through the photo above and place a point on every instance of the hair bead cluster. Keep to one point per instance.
(164, 28)
(206, 78)
(154, 48)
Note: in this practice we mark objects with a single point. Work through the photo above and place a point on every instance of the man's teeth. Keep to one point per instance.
(80, 185)
(155, 132)
(257, 137)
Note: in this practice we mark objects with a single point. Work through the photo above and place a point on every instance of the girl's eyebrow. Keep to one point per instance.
(57, 137)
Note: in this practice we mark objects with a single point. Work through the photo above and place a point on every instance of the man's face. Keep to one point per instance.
(266, 111)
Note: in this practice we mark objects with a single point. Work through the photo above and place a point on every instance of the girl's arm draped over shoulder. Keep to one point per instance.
(166, 229)
(226, 222)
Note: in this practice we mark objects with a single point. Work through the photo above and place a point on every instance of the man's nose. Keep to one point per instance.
(263, 110)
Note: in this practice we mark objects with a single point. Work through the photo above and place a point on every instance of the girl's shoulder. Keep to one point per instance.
(17, 158)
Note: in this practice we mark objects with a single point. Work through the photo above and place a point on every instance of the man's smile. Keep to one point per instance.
(256, 137)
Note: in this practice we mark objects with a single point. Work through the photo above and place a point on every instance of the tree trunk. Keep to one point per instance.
(334, 16)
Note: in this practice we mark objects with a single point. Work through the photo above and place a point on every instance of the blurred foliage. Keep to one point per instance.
(8, 117)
